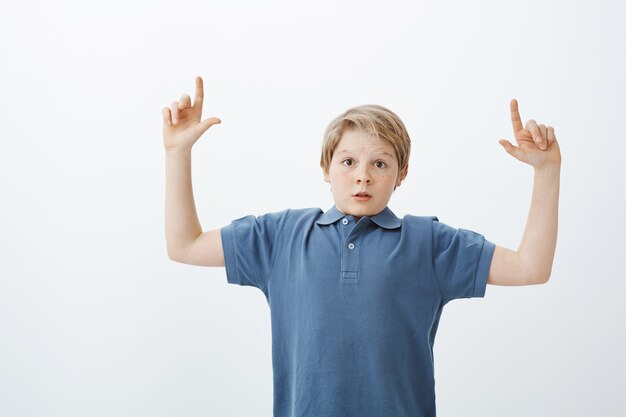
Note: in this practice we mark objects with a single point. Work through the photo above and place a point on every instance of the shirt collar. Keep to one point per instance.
(385, 218)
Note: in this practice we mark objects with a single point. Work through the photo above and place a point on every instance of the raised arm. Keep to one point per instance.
(182, 127)
(532, 262)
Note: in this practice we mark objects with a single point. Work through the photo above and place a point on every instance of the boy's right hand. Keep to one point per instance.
(182, 125)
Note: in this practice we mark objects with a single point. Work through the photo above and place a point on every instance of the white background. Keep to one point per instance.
(95, 320)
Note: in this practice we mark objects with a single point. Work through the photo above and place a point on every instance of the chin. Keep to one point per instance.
(364, 212)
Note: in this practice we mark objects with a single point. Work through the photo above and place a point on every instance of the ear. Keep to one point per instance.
(402, 176)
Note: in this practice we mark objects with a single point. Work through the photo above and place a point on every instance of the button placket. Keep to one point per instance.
(350, 257)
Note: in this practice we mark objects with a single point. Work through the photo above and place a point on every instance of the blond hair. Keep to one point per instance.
(371, 119)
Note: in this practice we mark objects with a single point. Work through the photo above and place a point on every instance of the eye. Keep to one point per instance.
(347, 160)
(380, 162)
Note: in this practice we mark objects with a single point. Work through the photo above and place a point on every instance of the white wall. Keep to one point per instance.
(95, 320)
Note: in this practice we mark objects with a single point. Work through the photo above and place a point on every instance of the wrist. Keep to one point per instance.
(177, 152)
(550, 169)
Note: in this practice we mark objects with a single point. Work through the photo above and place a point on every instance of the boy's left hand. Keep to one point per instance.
(536, 144)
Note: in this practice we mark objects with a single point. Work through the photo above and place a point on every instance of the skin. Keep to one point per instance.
(537, 146)
(363, 162)
(532, 262)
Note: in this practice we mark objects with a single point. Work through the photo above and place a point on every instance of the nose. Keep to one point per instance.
(363, 175)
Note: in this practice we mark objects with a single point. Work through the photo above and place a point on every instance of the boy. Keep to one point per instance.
(355, 293)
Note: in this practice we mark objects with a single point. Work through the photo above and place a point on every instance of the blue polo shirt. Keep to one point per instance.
(354, 306)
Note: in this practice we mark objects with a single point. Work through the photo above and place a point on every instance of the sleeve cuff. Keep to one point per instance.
(482, 273)
(229, 247)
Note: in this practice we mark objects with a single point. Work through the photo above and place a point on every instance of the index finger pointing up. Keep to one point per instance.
(199, 92)
(515, 117)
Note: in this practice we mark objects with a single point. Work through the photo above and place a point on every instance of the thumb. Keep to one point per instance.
(207, 123)
(512, 150)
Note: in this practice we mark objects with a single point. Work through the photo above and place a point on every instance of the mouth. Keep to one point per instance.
(362, 196)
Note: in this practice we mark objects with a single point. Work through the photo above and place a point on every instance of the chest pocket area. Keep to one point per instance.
(395, 273)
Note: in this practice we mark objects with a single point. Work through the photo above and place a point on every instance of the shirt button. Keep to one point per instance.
(344, 221)
(350, 246)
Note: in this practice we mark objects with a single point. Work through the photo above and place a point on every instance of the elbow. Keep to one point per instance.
(535, 275)
(174, 256)
(545, 276)
(540, 278)
(536, 271)
(177, 259)
(175, 252)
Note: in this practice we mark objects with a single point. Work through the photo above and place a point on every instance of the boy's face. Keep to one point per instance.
(366, 164)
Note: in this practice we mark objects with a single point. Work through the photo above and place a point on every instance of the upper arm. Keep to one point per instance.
(508, 269)
(206, 250)
(461, 261)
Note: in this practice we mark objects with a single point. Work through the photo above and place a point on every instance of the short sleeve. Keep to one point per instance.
(461, 261)
(250, 244)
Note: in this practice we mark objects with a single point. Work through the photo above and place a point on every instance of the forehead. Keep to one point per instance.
(357, 141)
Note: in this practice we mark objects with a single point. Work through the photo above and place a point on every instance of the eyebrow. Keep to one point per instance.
(379, 152)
